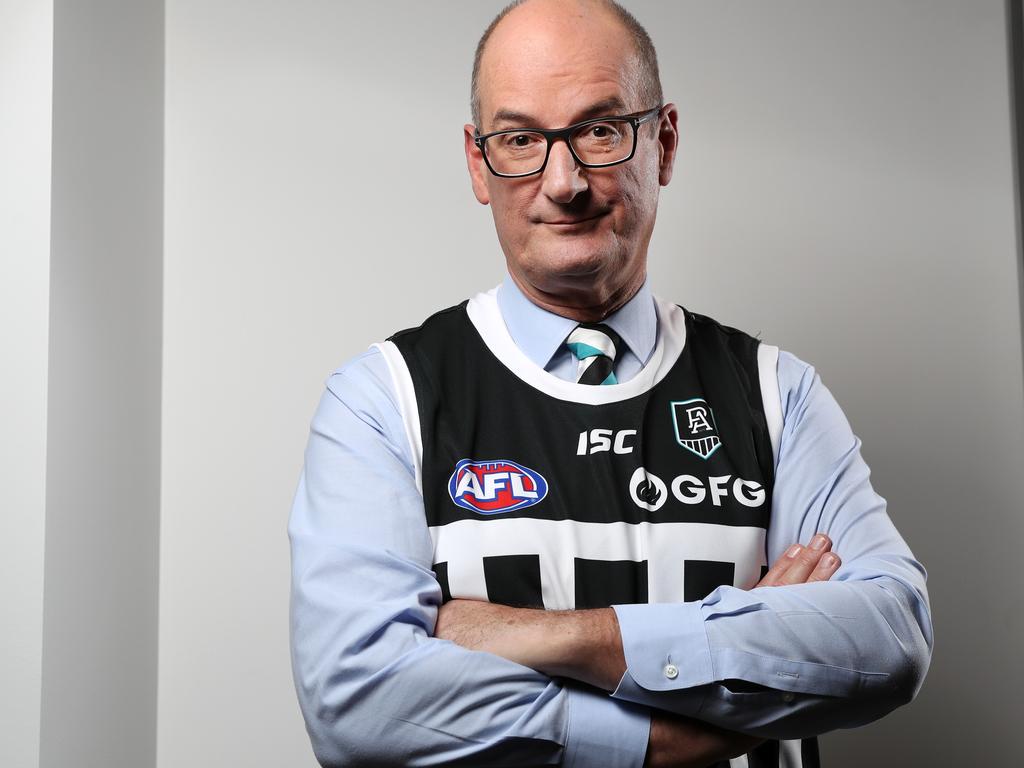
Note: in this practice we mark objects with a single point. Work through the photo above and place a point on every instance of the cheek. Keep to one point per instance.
(637, 195)
(646, 177)
(510, 208)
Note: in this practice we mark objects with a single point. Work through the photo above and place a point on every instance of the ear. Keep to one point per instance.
(476, 165)
(668, 142)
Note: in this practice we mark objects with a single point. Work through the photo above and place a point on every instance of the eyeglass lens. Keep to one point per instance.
(520, 152)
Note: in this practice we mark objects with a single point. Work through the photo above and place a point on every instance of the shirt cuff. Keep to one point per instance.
(604, 732)
(666, 649)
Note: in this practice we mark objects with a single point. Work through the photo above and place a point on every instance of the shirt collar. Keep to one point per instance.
(540, 334)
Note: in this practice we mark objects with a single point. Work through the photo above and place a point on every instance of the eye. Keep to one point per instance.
(609, 130)
(520, 140)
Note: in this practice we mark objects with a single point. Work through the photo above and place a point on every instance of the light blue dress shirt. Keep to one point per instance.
(375, 686)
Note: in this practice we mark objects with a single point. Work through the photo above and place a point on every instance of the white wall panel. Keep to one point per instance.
(26, 55)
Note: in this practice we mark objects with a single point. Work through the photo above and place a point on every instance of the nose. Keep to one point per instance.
(562, 178)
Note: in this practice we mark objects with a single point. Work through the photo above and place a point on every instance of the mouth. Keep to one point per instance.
(565, 223)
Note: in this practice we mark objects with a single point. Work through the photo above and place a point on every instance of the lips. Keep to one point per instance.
(571, 222)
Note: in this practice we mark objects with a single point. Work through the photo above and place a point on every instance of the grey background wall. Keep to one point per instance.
(844, 187)
(103, 419)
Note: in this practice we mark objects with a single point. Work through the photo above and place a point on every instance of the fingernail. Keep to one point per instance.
(793, 551)
(818, 542)
(829, 560)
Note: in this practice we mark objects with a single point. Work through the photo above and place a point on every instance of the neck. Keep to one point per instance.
(584, 304)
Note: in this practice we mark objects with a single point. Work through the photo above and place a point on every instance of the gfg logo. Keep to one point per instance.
(650, 492)
(493, 487)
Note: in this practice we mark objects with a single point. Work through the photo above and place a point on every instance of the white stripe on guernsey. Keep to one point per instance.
(767, 371)
(665, 546)
(405, 393)
(486, 317)
(790, 754)
(593, 338)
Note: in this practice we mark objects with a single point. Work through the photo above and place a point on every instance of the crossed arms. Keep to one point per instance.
(586, 645)
(379, 684)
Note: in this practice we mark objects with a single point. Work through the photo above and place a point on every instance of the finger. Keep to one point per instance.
(779, 568)
(827, 565)
(806, 560)
(777, 574)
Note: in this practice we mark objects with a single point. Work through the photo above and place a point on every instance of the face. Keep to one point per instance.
(575, 239)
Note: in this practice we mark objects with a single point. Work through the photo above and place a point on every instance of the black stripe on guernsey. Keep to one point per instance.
(764, 755)
(701, 577)
(514, 580)
(809, 753)
(601, 583)
(441, 572)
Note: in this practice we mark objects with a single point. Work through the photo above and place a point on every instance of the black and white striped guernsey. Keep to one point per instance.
(552, 494)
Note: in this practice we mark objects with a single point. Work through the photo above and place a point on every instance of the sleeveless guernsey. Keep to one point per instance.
(545, 493)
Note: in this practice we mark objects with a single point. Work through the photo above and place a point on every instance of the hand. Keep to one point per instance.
(802, 565)
(679, 742)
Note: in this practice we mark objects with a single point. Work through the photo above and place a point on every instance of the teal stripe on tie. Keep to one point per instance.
(610, 379)
(583, 351)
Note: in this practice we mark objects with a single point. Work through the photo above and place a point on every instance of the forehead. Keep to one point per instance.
(555, 66)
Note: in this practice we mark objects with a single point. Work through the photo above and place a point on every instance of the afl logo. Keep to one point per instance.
(493, 487)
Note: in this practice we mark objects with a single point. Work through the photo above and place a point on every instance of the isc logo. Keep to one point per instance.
(598, 440)
(493, 487)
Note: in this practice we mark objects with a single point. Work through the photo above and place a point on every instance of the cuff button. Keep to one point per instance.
(671, 671)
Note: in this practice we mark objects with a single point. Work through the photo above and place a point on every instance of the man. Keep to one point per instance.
(536, 530)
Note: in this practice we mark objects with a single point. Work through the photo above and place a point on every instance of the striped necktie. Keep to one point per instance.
(595, 346)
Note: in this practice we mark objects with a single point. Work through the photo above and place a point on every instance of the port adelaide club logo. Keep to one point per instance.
(695, 426)
(494, 487)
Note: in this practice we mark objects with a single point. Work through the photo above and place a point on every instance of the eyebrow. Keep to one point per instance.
(598, 109)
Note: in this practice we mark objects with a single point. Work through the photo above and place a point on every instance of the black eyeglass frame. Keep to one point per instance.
(636, 119)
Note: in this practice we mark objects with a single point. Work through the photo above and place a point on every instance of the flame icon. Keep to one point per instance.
(647, 490)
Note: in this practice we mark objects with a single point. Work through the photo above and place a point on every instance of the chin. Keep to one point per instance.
(577, 259)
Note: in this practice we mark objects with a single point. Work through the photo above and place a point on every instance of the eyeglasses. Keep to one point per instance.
(595, 143)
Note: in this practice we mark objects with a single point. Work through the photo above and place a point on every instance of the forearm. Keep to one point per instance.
(583, 645)
(779, 662)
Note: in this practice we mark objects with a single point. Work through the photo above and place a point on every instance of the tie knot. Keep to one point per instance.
(595, 345)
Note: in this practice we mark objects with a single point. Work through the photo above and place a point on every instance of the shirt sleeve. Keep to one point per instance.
(374, 686)
(796, 661)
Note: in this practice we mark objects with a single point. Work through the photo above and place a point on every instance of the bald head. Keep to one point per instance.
(542, 23)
